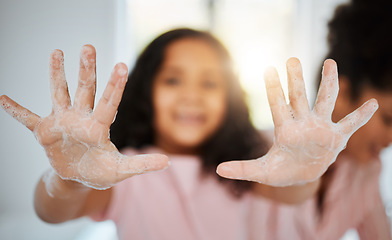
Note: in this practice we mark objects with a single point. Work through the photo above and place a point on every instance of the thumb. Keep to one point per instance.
(133, 165)
(21, 114)
(250, 170)
(103, 169)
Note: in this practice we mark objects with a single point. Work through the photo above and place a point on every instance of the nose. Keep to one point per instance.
(191, 93)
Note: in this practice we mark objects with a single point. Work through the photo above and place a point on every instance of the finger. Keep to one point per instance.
(250, 170)
(138, 164)
(85, 93)
(276, 99)
(358, 118)
(58, 84)
(24, 116)
(297, 93)
(328, 91)
(108, 104)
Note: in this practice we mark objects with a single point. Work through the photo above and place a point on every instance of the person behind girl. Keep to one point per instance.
(349, 197)
(182, 101)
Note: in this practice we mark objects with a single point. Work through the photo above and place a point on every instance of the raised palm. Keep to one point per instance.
(76, 138)
(306, 142)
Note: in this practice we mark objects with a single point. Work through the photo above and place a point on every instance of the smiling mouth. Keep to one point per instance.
(190, 119)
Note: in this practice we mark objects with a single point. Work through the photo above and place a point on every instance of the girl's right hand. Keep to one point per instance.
(76, 138)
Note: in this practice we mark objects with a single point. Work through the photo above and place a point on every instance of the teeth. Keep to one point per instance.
(189, 118)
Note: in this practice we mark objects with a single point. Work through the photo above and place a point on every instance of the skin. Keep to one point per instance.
(189, 96)
(76, 138)
(306, 141)
(366, 144)
(84, 160)
(76, 141)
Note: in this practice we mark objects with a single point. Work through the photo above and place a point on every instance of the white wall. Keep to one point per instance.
(29, 31)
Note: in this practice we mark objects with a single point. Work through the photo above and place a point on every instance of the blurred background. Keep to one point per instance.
(258, 33)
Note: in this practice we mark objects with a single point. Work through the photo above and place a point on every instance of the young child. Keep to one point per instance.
(349, 198)
(183, 102)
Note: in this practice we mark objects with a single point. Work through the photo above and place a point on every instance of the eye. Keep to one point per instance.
(210, 84)
(172, 81)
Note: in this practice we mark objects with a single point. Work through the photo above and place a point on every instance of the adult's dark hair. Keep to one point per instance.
(235, 139)
(359, 40)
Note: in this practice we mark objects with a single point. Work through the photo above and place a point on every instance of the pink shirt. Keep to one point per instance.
(353, 201)
(177, 203)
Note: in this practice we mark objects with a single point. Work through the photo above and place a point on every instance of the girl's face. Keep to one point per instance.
(367, 143)
(189, 96)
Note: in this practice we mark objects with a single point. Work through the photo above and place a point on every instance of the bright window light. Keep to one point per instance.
(257, 33)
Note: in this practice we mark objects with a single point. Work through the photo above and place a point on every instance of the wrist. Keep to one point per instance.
(56, 187)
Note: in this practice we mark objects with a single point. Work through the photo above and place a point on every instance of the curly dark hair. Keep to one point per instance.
(359, 40)
(236, 138)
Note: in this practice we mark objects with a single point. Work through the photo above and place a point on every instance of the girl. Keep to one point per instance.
(182, 100)
(349, 196)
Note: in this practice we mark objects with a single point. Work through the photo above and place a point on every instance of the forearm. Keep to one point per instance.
(295, 194)
(57, 200)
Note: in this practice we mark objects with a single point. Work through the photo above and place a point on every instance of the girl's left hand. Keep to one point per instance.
(306, 142)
